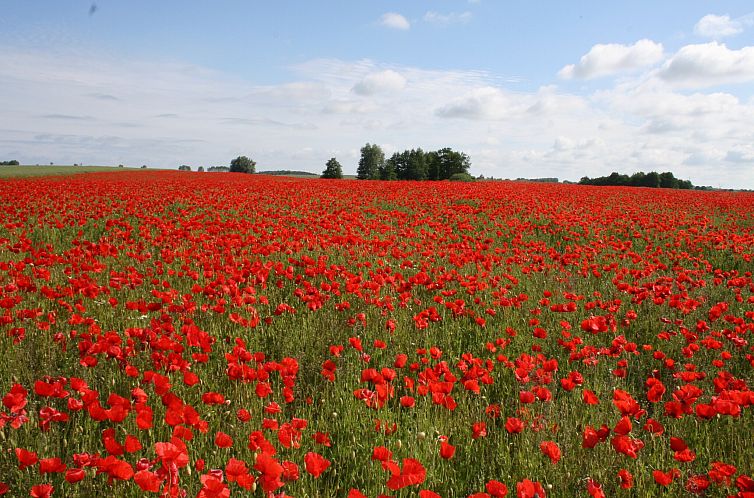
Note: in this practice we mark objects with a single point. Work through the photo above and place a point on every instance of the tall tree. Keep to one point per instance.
(444, 163)
(388, 169)
(667, 180)
(333, 170)
(242, 164)
(416, 165)
(432, 160)
(372, 158)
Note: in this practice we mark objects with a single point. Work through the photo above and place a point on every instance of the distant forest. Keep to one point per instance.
(287, 172)
(640, 179)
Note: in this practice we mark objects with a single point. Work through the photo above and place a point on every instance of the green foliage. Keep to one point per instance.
(333, 170)
(184, 167)
(414, 164)
(372, 159)
(388, 171)
(242, 164)
(446, 162)
(639, 179)
(461, 177)
(287, 172)
(10, 163)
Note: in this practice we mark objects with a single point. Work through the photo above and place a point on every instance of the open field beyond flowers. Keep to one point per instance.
(214, 335)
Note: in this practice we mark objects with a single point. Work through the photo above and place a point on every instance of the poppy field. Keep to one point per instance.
(211, 335)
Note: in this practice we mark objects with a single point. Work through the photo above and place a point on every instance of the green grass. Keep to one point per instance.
(28, 170)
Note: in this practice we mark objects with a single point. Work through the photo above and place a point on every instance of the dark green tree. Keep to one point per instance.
(372, 158)
(667, 180)
(242, 164)
(416, 167)
(444, 163)
(333, 170)
(184, 167)
(639, 179)
(432, 160)
(410, 165)
(388, 169)
(399, 162)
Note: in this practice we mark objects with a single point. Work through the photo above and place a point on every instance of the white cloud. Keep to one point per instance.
(716, 27)
(54, 110)
(708, 64)
(382, 81)
(394, 20)
(741, 154)
(607, 59)
(433, 17)
(480, 103)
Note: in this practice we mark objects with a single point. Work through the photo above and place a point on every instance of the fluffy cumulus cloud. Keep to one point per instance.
(714, 26)
(607, 59)
(743, 154)
(480, 103)
(437, 18)
(69, 108)
(393, 20)
(709, 64)
(381, 81)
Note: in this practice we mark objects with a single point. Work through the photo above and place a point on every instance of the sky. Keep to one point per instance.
(525, 88)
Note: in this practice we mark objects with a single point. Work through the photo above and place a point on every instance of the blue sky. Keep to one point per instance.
(526, 88)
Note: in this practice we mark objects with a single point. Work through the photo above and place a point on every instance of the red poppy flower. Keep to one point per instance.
(41, 491)
(73, 476)
(551, 450)
(381, 453)
(315, 464)
(478, 429)
(411, 474)
(212, 487)
(223, 440)
(25, 458)
(589, 397)
(623, 427)
(594, 489)
(626, 479)
(271, 472)
(290, 471)
(529, 489)
(665, 478)
(147, 481)
(496, 489)
(322, 438)
(447, 450)
(697, 484)
(514, 425)
(50, 465)
(132, 444)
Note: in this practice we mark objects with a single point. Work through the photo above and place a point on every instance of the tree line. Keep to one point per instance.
(414, 164)
(10, 163)
(639, 179)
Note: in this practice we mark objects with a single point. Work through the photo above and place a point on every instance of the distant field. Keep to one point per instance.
(20, 171)
(25, 171)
